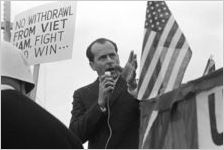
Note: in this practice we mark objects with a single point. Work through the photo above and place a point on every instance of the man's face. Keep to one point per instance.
(105, 57)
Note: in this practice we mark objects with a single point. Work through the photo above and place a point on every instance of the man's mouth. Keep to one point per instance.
(110, 69)
(114, 74)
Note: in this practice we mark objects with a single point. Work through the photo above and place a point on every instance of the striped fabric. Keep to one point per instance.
(165, 52)
(186, 120)
(210, 66)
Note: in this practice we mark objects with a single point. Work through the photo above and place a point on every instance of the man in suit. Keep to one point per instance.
(25, 124)
(105, 112)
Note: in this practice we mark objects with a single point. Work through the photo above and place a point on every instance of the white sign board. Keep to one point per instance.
(46, 33)
(210, 118)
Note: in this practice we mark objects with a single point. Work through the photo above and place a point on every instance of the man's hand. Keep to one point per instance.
(129, 71)
(106, 86)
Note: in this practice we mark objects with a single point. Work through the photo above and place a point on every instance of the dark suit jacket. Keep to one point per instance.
(90, 123)
(26, 125)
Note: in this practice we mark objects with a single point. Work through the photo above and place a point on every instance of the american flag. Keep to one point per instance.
(210, 66)
(165, 52)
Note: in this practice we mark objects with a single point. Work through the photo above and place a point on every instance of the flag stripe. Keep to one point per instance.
(153, 79)
(145, 52)
(150, 122)
(177, 65)
(146, 37)
(181, 41)
(155, 74)
(183, 68)
(171, 65)
(165, 64)
(171, 35)
(155, 58)
(149, 58)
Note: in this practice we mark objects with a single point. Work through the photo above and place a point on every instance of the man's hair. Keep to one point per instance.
(89, 53)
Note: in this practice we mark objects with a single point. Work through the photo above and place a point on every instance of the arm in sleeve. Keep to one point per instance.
(84, 122)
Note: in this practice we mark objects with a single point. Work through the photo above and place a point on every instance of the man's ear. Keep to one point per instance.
(92, 65)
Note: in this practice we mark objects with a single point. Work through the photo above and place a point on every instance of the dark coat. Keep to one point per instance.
(90, 123)
(26, 125)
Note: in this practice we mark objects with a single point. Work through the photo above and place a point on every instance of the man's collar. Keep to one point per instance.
(7, 87)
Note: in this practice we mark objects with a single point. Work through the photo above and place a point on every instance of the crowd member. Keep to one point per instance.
(105, 113)
(25, 124)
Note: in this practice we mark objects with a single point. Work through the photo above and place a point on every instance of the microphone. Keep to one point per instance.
(109, 74)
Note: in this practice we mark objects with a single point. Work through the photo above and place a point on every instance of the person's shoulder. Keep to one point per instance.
(11, 93)
(16, 98)
(90, 87)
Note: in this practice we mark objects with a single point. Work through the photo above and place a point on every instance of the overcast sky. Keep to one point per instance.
(123, 22)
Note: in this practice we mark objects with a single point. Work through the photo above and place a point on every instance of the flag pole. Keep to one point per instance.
(6, 25)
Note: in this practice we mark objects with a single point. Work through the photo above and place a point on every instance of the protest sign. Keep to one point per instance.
(46, 33)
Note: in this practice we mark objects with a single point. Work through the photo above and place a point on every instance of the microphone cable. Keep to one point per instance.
(108, 124)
